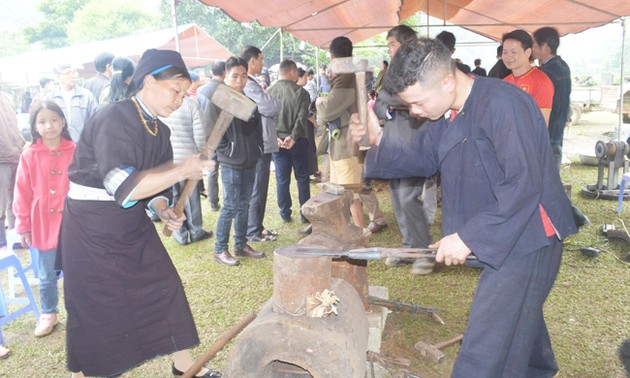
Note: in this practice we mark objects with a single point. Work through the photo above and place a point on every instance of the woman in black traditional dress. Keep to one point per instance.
(124, 298)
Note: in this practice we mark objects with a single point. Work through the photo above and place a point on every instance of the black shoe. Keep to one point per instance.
(210, 374)
(287, 220)
(204, 236)
(214, 206)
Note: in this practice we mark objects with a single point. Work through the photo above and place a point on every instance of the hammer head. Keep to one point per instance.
(429, 351)
(233, 102)
(348, 65)
(329, 187)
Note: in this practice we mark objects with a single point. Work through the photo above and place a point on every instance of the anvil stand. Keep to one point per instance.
(329, 215)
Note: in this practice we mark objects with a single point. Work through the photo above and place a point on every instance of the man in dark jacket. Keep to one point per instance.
(546, 42)
(499, 70)
(291, 137)
(502, 201)
(237, 153)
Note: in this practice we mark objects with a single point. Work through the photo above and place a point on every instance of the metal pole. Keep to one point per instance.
(428, 22)
(316, 68)
(621, 87)
(174, 17)
(269, 40)
(281, 44)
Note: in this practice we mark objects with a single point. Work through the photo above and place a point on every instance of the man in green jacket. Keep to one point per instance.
(291, 132)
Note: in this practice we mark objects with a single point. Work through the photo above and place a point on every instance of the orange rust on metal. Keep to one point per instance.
(353, 272)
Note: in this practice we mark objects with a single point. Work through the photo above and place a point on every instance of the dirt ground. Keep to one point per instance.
(593, 126)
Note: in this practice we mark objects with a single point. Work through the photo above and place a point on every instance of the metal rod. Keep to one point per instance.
(387, 27)
(269, 40)
(281, 45)
(621, 91)
(174, 17)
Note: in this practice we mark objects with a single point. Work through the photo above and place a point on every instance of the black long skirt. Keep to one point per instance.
(124, 298)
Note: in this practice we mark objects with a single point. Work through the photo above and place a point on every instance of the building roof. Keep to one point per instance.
(197, 47)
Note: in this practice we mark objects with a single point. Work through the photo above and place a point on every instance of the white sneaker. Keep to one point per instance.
(46, 324)
(4, 352)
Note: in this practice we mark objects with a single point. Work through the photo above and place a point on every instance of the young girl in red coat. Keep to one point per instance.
(40, 189)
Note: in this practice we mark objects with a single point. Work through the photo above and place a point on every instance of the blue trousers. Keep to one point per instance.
(237, 191)
(295, 159)
(506, 335)
(48, 277)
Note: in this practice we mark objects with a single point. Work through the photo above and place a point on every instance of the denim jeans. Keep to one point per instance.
(213, 184)
(258, 202)
(237, 191)
(297, 159)
(48, 276)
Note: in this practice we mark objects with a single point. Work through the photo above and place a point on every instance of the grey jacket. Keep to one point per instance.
(269, 107)
(11, 141)
(188, 134)
(82, 107)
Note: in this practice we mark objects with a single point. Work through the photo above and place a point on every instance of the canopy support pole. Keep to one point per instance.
(174, 17)
(316, 68)
(621, 86)
(281, 45)
(270, 38)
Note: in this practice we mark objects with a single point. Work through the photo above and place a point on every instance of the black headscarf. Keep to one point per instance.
(155, 61)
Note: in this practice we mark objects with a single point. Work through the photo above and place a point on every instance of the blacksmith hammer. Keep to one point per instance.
(433, 352)
(232, 104)
(346, 66)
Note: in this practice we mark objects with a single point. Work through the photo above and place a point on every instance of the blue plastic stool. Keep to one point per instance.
(624, 178)
(8, 261)
(14, 238)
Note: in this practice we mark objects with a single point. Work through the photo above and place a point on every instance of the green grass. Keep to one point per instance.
(587, 311)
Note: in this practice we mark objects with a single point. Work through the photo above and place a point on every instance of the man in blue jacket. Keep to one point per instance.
(502, 201)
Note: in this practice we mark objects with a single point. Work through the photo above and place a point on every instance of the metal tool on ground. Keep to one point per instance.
(359, 69)
(433, 352)
(405, 373)
(217, 346)
(232, 104)
(375, 253)
(388, 360)
(408, 307)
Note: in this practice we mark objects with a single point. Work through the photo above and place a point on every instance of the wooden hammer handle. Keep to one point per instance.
(220, 127)
(361, 108)
(219, 344)
(189, 187)
(444, 344)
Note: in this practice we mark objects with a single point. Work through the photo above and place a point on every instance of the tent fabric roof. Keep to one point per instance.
(197, 47)
(319, 21)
